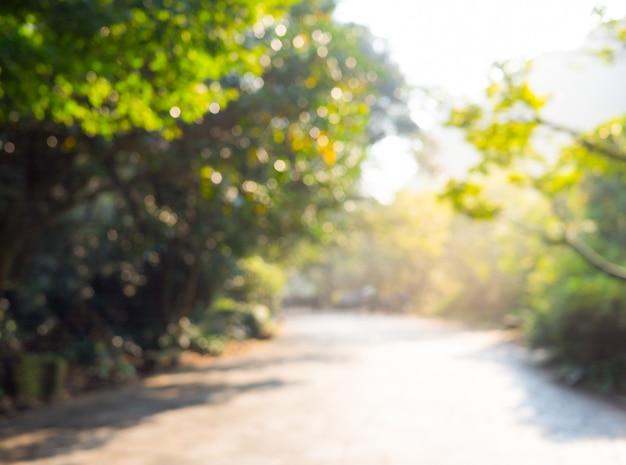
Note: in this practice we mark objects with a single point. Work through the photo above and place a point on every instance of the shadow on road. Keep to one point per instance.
(89, 422)
(563, 414)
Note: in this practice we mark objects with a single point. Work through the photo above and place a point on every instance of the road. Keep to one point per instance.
(335, 388)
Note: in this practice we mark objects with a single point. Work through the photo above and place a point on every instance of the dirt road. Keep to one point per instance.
(335, 388)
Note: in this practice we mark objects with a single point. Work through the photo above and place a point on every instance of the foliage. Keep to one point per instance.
(136, 64)
(257, 281)
(237, 320)
(576, 294)
(581, 317)
(419, 255)
(175, 158)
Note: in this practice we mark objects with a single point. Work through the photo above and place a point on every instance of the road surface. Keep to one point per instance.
(335, 388)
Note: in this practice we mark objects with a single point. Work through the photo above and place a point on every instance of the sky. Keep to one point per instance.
(451, 44)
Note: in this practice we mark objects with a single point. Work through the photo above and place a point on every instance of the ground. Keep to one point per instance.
(335, 388)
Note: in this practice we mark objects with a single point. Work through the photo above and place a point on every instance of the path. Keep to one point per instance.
(335, 389)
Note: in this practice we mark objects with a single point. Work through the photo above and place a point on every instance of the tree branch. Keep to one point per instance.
(594, 258)
(612, 152)
(581, 248)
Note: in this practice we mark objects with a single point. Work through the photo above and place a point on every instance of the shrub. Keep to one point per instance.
(258, 281)
(37, 377)
(237, 320)
(582, 321)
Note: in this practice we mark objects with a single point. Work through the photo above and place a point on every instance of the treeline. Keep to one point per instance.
(526, 239)
(158, 161)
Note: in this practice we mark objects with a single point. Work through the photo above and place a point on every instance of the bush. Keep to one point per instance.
(258, 281)
(237, 320)
(582, 321)
(27, 375)
(37, 378)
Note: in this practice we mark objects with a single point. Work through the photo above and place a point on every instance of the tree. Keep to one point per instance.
(134, 64)
(504, 130)
(576, 312)
(159, 224)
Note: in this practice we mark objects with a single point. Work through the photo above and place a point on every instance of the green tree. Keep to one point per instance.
(144, 229)
(133, 64)
(504, 130)
(576, 293)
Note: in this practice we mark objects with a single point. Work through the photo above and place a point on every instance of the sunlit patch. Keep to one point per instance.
(175, 112)
(322, 111)
(216, 177)
(281, 30)
(322, 140)
(280, 165)
(258, 30)
(616, 129)
(262, 155)
(299, 41)
(249, 186)
(276, 44)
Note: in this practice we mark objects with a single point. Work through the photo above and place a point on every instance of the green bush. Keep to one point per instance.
(258, 281)
(237, 320)
(582, 321)
(54, 377)
(38, 377)
(27, 376)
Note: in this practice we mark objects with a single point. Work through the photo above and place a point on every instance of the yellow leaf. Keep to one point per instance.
(329, 155)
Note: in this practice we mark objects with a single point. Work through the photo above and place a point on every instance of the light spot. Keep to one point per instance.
(280, 165)
(281, 30)
(299, 41)
(322, 52)
(216, 177)
(276, 44)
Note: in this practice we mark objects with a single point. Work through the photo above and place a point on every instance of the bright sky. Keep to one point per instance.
(451, 44)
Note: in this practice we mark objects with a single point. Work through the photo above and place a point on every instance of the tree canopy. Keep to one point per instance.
(115, 66)
(506, 129)
(159, 156)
